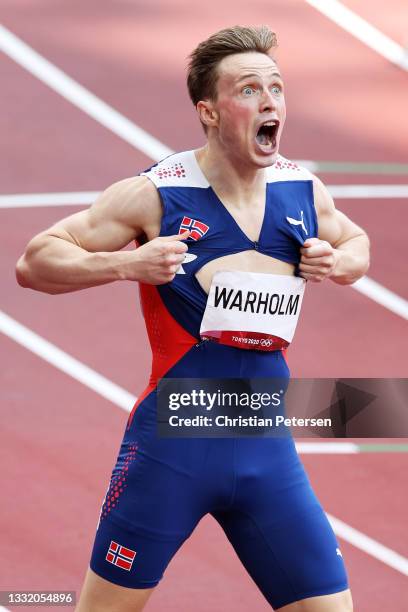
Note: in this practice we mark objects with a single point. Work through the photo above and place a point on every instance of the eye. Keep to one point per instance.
(248, 91)
(276, 89)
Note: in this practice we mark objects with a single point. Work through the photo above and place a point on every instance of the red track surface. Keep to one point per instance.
(59, 439)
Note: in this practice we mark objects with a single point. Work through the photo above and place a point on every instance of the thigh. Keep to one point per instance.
(290, 560)
(278, 528)
(153, 503)
(129, 558)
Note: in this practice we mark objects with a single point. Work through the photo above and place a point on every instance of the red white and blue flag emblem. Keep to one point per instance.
(197, 228)
(120, 556)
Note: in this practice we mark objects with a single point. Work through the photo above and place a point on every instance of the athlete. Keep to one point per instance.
(231, 215)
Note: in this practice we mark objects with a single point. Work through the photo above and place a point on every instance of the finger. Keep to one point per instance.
(317, 250)
(310, 242)
(313, 269)
(177, 248)
(174, 259)
(172, 269)
(182, 236)
(326, 261)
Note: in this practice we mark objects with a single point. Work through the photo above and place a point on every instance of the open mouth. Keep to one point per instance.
(266, 135)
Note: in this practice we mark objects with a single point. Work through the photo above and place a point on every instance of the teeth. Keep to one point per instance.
(270, 123)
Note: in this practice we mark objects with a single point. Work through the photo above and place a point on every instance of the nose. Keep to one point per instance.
(268, 102)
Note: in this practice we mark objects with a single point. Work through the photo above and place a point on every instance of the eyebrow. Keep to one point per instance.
(252, 74)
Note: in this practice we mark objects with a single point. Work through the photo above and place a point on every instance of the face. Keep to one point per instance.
(249, 112)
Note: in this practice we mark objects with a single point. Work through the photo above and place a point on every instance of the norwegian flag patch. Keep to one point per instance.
(121, 556)
(197, 228)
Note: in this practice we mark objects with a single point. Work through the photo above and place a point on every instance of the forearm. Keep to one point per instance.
(352, 260)
(54, 265)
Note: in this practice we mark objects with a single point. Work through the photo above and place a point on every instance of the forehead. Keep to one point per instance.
(233, 67)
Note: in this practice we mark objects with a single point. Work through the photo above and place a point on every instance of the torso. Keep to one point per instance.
(258, 238)
(250, 221)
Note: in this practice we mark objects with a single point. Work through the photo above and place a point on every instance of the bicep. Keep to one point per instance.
(117, 217)
(333, 225)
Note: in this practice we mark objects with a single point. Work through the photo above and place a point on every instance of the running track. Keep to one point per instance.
(59, 438)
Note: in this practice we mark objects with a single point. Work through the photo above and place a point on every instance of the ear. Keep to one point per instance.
(207, 113)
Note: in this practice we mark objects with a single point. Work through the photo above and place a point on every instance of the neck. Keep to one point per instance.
(231, 179)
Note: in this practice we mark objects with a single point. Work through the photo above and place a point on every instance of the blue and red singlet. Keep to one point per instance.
(256, 488)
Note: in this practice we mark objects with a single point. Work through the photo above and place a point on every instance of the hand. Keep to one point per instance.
(318, 260)
(157, 261)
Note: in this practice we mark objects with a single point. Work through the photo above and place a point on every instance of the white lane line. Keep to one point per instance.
(64, 362)
(27, 200)
(80, 198)
(327, 448)
(122, 398)
(368, 191)
(362, 30)
(369, 546)
(81, 97)
(376, 292)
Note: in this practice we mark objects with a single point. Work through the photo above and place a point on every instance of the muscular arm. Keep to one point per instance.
(83, 250)
(341, 252)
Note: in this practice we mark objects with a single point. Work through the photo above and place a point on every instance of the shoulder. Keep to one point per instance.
(133, 202)
(177, 170)
(286, 170)
(323, 200)
(128, 189)
(129, 196)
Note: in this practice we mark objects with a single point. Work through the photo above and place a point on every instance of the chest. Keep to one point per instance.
(263, 237)
(249, 218)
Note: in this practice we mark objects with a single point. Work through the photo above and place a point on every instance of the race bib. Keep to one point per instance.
(250, 310)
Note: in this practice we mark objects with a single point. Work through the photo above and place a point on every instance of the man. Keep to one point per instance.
(247, 217)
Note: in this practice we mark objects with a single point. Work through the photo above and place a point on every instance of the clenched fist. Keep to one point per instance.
(318, 260)
(157, 261)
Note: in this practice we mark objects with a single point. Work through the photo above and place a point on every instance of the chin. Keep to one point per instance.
(264, 161)
(264, 158)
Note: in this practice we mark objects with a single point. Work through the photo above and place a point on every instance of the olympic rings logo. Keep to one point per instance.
(266, 342)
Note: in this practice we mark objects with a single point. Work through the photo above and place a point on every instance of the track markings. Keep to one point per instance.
(383, 296)
(64, 362)
(362, 30)
(79, 198)
(327, 448)
(153, 148)
(368, 191)
(27, 200)
(80, 97)
(376, 168)
(369, 546)
(124, 400)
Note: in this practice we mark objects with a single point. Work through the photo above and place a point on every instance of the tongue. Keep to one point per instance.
(263, 138)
